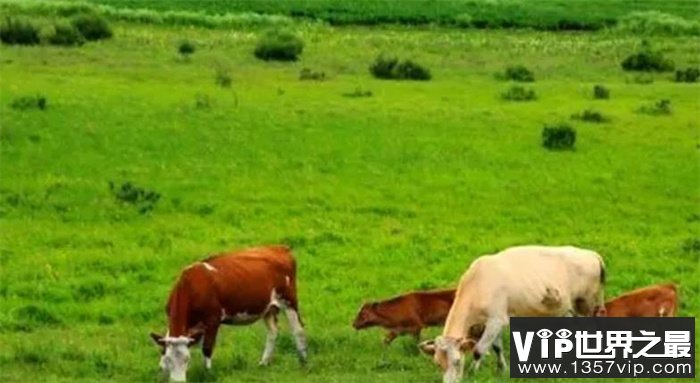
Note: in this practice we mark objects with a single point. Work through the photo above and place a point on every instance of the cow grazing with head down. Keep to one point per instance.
(519, 281)
(651, 301)
(232, 288)
(406, 314)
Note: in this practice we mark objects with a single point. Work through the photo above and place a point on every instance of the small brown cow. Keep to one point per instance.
(406, 314)
(651, 301)
(232, 288)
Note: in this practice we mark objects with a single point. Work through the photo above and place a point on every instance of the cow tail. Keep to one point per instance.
(602, 270)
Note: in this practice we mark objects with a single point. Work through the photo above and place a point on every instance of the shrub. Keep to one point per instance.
(589, 115)
(518, 73)
(308, 74)
(647, 60)
(65, 34)
(222, 76)
(656, 23)
(389, 67)
(383, 66)
(14, 31)
(92, 26)
(186, 48)
(279, 45)
(688, 75)
(519, 93)
(660, 107)
(410, 70)
(127, 193)
(358, 92)
(558, 137)
(600, 92)
(29, 102)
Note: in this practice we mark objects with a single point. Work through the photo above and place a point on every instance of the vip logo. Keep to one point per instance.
(561, 344)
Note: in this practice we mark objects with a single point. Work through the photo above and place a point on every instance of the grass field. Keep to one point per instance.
(377, 195)
(542, 14)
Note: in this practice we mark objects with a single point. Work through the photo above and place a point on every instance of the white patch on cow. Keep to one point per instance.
(275, 300)
(176, 357)
(298, 331)
(208, 266)
(272, 330)
(207, 363)
(455, 358)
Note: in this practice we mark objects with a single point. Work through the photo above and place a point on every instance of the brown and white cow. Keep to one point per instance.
(519, 281)
(651, 301)
(406, 314)
(232, 288)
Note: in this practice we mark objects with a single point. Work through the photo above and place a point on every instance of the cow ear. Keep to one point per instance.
(428, 347)
(466, 344)
(158, 339)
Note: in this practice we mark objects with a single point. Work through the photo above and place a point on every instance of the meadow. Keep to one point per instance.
(544, 14)
(394, 191)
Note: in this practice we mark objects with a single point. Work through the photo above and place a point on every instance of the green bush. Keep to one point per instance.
(129, 194)
(647, 60)
(659, 108)
(518, 73)
(519, 93)
(658, 23)
(688, 75)
(279, 45)
(600, 92)
(222, 76)
(92, 26)
(389, 67)
(410, 70)
(29, 102)
(590, 115)
(383, 66)
(558, 137)
(186, 48)
(358, 93)
(308, 74)
(16, 31)
(65, 34)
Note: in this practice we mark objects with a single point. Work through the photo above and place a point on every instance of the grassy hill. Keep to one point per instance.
(397, 190)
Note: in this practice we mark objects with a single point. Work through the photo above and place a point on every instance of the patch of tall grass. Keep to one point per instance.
(658, 23)
(146, 16)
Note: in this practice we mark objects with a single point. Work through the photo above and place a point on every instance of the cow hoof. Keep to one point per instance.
(264, 363)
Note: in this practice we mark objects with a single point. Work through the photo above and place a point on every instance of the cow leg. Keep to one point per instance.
(492, 330)
(498, 350)
(390, 336)
(209, 341)
(415, 333)
(272, 330)
(298, 331)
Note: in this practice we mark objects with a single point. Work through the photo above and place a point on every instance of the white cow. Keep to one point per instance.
(519, 281)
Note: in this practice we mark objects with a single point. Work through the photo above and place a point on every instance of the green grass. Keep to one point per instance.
(378, 195)
(541, 14)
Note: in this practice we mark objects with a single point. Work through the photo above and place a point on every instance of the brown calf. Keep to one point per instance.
(232, 288)
(651, 301)
(406, 314)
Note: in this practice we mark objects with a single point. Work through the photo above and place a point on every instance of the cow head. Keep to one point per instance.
(448, 353)
(175, 354)
(366, 317)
